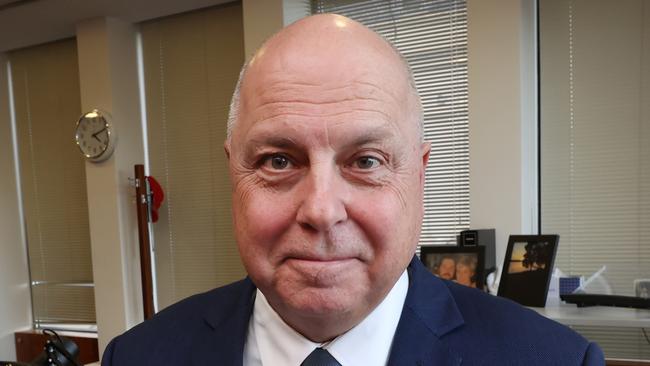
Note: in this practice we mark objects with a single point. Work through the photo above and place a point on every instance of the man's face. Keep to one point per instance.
(327, 172)
(447, 269)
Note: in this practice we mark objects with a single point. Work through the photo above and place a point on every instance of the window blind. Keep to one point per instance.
(191, 64)
(47, 103)
(595, 146)
(432, 36)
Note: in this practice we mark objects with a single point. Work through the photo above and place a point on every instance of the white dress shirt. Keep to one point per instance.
(271, 342)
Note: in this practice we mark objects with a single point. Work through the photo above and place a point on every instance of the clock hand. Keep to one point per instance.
(97, 133)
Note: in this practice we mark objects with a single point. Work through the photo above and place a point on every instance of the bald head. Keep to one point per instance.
(328, 47)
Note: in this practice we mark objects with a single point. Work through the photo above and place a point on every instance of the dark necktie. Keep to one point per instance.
(320, 357)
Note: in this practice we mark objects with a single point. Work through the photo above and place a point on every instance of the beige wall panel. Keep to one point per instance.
(191, 64)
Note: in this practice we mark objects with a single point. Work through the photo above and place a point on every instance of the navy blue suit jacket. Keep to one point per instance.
(442, 323)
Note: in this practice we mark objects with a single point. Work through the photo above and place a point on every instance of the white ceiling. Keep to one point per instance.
(29, 22)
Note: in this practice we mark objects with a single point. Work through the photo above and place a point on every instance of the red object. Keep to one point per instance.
(157, 197)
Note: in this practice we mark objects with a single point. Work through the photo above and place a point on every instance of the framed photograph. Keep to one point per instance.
(527, 268)
(464, 265)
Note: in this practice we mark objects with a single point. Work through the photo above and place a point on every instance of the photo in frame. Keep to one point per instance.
(464, 265)
(527, 268)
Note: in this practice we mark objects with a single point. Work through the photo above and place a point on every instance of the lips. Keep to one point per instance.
(310, 264)
(323, 259)
(318, 253)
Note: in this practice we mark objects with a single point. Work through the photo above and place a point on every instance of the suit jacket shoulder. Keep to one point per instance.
(208, 328)
(444, 323)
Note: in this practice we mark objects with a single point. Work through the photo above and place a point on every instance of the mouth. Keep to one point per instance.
(320, 259)
(321, 272)
(320, 264)
(316, 271)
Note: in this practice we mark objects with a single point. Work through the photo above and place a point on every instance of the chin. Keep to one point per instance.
(317, 302)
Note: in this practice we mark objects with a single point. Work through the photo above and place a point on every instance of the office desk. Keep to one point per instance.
(604, 316)
(29, 345)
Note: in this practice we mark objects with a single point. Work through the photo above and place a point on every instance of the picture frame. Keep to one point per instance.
(464, 265)
(527, 268)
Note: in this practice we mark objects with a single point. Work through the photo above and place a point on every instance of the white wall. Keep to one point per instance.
(15, 301)
(108, 79)
(502, 118)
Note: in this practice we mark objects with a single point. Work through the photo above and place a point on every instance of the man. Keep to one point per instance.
(327, 163)
(447, 268)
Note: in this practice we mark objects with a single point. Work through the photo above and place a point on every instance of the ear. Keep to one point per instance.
(226, 148)
(425, 149)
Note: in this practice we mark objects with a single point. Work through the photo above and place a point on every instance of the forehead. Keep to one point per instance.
(347, 97)
(337, 114)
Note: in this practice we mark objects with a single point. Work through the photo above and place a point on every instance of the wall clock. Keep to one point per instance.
(95, 136)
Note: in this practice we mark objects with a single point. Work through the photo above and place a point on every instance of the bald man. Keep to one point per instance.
(327, 163)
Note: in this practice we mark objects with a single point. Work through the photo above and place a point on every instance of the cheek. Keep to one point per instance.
(260, 220)
(261, 216)
(391, 225)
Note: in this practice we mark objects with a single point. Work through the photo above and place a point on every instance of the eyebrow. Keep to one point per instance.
(375, 135)
(280, 142)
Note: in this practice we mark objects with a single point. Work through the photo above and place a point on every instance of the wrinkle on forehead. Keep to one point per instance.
(336, 136)
(295, 116)
(289, 94)
(287, 99)
(284, 88)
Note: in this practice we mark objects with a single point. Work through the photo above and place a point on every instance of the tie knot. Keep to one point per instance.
(320, 357)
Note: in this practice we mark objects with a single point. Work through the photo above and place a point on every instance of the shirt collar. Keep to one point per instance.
(368, 343)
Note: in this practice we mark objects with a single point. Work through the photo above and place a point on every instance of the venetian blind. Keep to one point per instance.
(191, 64)
(432, 36)
(47, 103)
(595, 146)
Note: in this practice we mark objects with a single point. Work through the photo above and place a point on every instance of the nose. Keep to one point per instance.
(322, 198)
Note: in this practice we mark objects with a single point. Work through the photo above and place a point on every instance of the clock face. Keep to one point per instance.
(94, 136)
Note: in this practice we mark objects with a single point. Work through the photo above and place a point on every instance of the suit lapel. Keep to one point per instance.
(227, 328)
(429, 313)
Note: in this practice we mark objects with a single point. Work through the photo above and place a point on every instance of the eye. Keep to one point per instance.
(367, 162)
(276, 162)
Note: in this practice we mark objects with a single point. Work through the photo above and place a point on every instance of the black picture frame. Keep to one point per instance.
(527, 268)
(468, 263)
